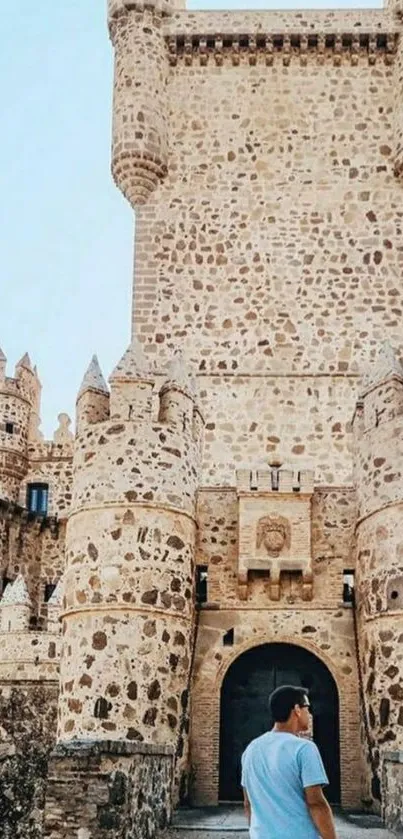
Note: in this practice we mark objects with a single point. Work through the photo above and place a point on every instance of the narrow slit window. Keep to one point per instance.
(10, 428)
(37, 498)
(201, 583)
(348, 586)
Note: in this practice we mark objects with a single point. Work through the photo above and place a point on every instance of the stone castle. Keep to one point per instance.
(229, 513)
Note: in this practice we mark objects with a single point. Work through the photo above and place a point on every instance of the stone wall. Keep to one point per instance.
(392, 791)
(108, 790)
(31, 546)
(324, 625)
(273, 235)
(27, 734)
(333, 521)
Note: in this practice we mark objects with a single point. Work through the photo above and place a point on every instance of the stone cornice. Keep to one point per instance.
(327, 21)
(266, 47)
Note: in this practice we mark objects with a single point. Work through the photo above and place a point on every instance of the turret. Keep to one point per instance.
(15, 607)
(3, 364)
(140, 109)
(378, 435)
(93, 397)
(177, 396)
(19, 419)
(132, 384)
(128, 589)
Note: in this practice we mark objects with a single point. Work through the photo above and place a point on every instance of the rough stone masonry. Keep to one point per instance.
(228, 513)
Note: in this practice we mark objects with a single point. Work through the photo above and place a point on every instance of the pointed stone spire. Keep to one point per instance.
(36, 374)
(25, 361)
(387, 364)
(134, 365)
(93, 378)
(16, 594)
(3, 364)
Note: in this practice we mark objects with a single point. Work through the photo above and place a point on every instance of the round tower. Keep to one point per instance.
(19, 405)
(378, 434)
(396, 10)
(128, 596)
(140, 106)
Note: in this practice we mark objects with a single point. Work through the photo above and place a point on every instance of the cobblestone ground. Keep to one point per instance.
(203, 825)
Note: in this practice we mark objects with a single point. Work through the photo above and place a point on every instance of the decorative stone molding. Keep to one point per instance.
(274, 508)
(258, 47)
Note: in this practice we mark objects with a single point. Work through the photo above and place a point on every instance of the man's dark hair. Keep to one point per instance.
(284, 699)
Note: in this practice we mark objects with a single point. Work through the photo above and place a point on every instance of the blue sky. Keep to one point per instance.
(66, 234)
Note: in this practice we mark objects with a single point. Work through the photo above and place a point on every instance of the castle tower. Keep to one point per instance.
(128, 589)
(140, 113)
(19, 413)
(378, 433)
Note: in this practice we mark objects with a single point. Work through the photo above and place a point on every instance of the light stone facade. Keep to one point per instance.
(250, 436)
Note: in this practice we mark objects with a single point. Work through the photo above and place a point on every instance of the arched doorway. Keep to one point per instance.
(245, 713)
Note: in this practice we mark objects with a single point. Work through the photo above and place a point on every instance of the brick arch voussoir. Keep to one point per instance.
(261, 640)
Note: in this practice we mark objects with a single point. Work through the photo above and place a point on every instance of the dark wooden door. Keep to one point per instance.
(245, 712)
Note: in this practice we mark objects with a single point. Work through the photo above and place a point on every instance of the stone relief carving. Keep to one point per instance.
(274, 534)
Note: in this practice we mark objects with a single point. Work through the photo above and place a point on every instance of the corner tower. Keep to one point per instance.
(140, 107)
(19, 416)
(378, 433)
(129, 603)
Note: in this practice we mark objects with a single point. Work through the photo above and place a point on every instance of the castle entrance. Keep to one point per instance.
(245, 713)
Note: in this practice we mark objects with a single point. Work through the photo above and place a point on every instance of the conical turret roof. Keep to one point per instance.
(16, 594)
(25, 361)
(2, 356)
(134, 365)
(93, 378)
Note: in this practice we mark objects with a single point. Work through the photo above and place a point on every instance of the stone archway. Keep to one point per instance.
(213, 665)
(244, 708)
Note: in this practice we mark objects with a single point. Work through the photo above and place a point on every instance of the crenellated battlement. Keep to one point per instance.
(277, 479)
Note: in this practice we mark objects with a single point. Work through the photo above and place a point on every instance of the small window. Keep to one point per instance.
(201, 583)
(37, 498)
(228, 640)
(49, 589)
(348, 587)
(102, 708)
(9, 428)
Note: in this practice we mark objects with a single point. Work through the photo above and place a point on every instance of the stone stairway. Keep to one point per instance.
(228, 822)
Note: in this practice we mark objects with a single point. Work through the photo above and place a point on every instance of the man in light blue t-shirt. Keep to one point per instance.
(283, 775)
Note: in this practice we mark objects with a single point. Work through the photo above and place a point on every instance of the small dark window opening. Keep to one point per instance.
(49, 589)
(37, 498)
(9, 428)
(102, 708)
(394, 595)
(228, 640)
(201, 583)
(348, 586)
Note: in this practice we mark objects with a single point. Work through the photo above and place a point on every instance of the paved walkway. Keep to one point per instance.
(230, 823)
